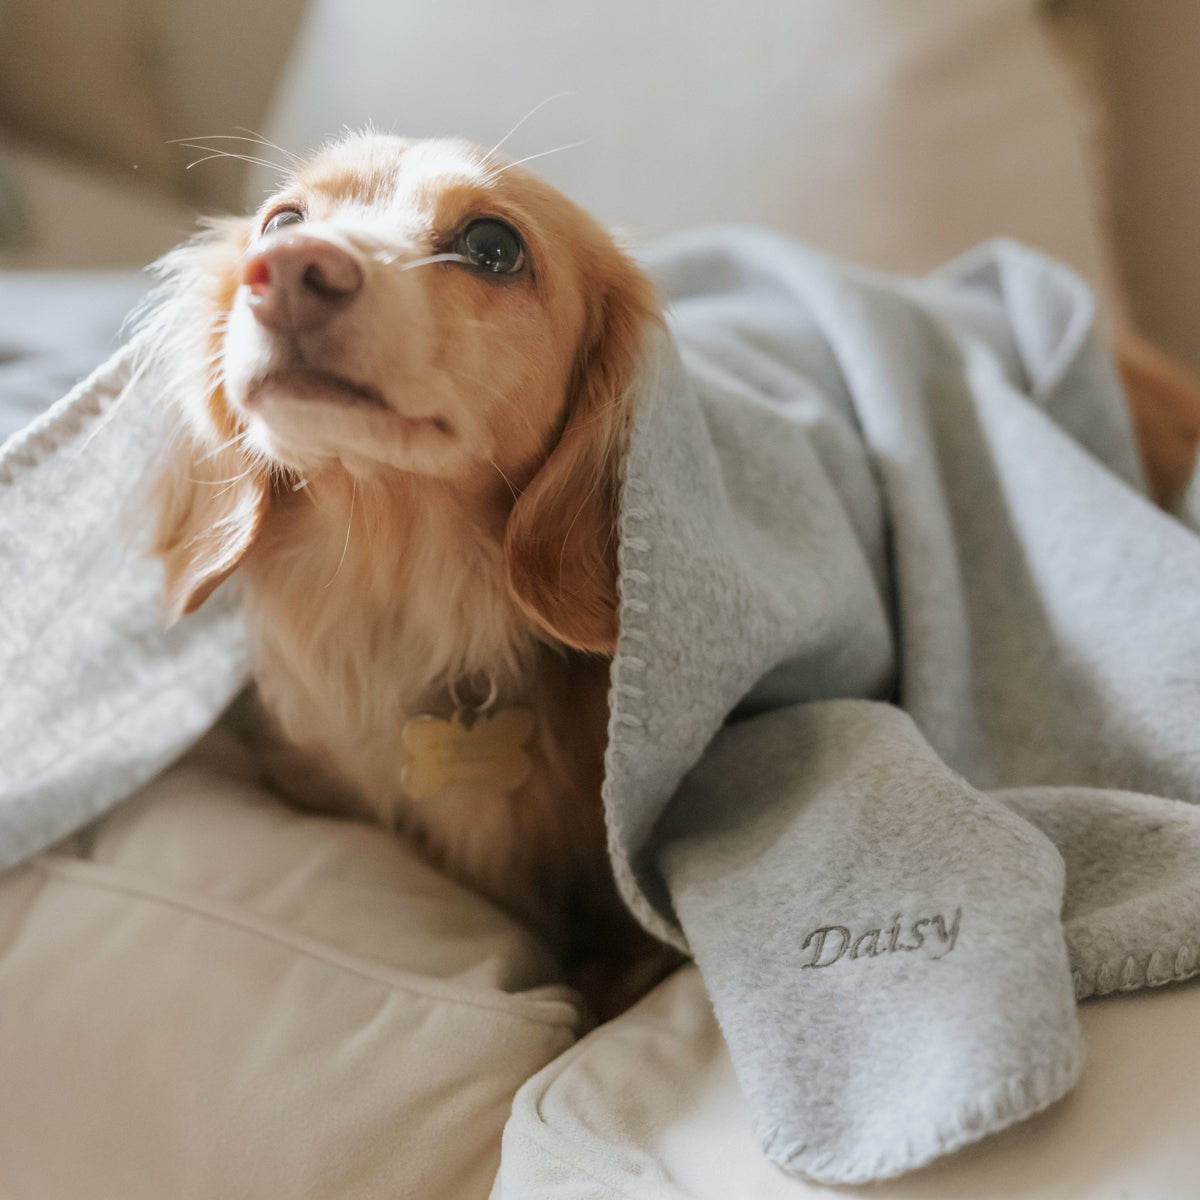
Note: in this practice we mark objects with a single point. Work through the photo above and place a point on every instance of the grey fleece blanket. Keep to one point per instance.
(904, 732)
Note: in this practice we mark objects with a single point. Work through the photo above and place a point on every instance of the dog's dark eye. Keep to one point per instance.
(285, 216)
(492, 246)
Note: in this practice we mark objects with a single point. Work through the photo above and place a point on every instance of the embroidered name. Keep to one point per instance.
(934, 935)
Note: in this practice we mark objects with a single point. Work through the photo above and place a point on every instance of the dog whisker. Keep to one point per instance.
(98, 428)
(234, 482)
(530, 157)
(140, 368)
(239, 157)
(431, 258)
(215, 482)
(217, 152)
(233, 442)
(535, 109)
(263, 141)
(349, 525)
(512, 487)
(197, 143)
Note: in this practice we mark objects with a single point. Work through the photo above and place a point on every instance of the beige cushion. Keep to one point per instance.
(116, 82)
(214, 996)
(896, 134)
(648, 1108)
(1135, 67)
(899, 134)
(69, 215)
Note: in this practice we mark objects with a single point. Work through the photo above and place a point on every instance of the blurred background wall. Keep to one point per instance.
(110, 83)
(896, 133)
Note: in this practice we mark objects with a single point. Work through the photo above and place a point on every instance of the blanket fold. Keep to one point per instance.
(900, 1011)
(926, 493)
(99, 696)
(904, 737)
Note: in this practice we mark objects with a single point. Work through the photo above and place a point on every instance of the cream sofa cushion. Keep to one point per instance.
(116, 83)
(210, 995)
(896, 134)
(1135, 67)
(648, 1108)
(65, 214)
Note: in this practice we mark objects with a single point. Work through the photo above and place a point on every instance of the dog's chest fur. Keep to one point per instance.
(410, 597)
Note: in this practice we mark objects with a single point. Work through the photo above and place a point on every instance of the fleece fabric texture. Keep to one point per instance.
(98, 697)
(905, 733)
(904, 742)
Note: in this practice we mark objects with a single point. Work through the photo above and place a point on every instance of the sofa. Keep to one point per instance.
(204, 993)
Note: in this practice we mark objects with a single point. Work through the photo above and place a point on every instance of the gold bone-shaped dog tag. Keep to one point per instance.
(448, 756)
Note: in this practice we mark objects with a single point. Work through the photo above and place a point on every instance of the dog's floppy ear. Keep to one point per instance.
(210, 509)
(561, 543)
(211, 496)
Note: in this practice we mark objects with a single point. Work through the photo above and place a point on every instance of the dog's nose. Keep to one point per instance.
(299, 283)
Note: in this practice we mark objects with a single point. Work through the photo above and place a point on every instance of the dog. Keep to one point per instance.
(402, 391)
(403, 396)
(1164, 402)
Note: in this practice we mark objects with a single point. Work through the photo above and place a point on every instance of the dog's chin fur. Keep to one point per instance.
(417, 496)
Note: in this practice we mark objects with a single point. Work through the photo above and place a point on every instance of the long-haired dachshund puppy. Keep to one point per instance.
(403, 399)
(402, 390)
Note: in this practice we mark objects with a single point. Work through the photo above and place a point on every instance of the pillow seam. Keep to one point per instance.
(111, 878)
